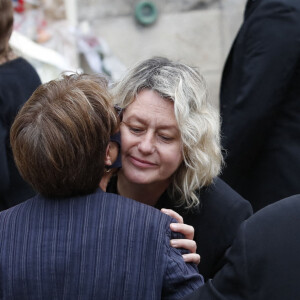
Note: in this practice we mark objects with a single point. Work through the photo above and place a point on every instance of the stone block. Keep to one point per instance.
(193, 37)
(196, 32)
(93, 9)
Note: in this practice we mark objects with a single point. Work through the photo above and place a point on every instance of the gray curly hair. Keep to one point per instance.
(198, 121)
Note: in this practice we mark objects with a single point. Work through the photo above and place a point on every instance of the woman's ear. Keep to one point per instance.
(112, 150)
(107, 160)
(111, 154)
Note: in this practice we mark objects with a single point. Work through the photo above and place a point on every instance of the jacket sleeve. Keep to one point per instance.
(231, 282)
(180, 278)
(238, 213)
(269, 42)
(216, 226)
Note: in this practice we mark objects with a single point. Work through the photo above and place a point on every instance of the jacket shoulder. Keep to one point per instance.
(146, 214)
(221, 197)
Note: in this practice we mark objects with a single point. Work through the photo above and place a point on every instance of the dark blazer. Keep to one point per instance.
(216, 221)
(260, 103)
(99, 246)
(263, 262)
(18, 80)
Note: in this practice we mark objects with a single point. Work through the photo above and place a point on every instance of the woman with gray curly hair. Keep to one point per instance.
(171, 155)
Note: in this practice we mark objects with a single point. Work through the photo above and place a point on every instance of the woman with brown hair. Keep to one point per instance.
(18, 80)
(73, 240)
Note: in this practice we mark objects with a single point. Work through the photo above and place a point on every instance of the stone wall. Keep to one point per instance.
(197, 32)
(115, 8)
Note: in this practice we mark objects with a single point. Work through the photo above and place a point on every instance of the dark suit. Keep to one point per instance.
(260, 103)
(99, 246)
(263, 262)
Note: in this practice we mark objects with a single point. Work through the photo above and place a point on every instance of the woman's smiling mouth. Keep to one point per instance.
(141, 163)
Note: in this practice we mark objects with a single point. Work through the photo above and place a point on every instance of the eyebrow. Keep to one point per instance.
(140, 120)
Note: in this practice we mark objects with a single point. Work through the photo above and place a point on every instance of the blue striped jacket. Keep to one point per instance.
(98, 246)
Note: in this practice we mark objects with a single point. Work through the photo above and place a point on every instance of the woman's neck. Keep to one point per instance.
(8, 56)
(144, 193)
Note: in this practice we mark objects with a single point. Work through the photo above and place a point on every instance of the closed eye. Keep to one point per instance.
(166, 138)
(135, 129)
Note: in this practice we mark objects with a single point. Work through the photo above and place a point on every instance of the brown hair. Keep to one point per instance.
(6, 25)
(59, 137)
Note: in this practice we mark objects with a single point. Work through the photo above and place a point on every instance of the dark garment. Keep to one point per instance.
(98, 246)
(263, 262)
(260, 103)
(216, 222)
(18, 80)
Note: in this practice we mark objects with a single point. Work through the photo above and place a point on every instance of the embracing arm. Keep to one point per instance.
(180, 278)
(188, 231)
(231, 282)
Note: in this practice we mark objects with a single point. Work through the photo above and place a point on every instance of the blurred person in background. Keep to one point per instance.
(263, 262)
(260, 104)
(18, 80)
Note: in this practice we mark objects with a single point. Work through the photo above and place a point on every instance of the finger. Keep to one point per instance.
(187, 230)
(185, 244)
(172, 214)
(192, 258)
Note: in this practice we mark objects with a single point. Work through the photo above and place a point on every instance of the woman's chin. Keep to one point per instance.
(138, 179)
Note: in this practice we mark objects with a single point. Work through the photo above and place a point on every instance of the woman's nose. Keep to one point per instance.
(147, 143)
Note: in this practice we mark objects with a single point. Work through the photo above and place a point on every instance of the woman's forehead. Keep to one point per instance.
(149, 106)
(150, 99)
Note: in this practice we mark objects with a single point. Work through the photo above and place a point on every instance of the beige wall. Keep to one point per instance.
(199, 33)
